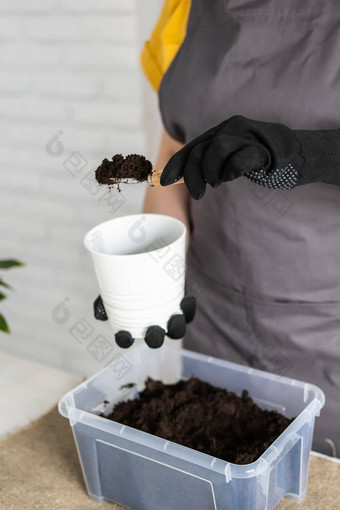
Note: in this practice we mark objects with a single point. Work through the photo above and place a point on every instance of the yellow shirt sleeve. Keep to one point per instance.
(165, 40)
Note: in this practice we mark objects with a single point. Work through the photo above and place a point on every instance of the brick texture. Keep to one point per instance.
(71, 93)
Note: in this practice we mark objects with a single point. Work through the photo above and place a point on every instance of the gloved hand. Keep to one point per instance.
(267, 153)
(154, 336)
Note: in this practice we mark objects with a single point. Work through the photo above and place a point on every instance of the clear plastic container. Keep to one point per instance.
(144, 472)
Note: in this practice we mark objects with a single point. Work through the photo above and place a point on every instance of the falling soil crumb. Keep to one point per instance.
(198, 415)
(128, 386)
(118, 168)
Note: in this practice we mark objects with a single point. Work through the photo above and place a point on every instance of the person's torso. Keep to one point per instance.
(276, 61)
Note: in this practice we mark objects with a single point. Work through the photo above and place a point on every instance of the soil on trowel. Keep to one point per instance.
(119, 167)
(209, 419)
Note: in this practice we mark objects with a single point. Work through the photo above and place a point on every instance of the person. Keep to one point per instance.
(249, 94)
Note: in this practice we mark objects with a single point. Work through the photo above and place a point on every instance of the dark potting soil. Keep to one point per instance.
(196, 414)
(132, 166)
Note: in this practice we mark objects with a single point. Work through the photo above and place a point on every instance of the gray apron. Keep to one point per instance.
(264, 264)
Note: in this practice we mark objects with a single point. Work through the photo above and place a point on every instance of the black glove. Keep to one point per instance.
(154, 336)
(269, 154)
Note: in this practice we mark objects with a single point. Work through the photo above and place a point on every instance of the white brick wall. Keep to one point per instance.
(69, 69)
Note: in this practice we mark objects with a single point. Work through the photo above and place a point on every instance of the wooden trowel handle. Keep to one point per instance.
(156, 178)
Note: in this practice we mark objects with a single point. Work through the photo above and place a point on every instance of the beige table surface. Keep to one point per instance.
(39, 469)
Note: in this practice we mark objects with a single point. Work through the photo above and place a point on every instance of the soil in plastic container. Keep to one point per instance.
(201, 416)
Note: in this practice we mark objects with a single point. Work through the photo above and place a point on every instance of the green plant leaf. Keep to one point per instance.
(5, 284)
(3, 324)
(2, 296)
(7, 263)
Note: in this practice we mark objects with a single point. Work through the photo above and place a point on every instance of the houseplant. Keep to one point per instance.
(6, 264)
